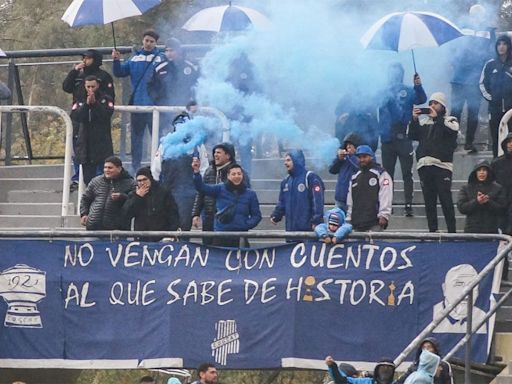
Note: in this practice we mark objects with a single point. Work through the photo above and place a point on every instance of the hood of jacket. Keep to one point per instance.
(505, 39)
(382, 362)
(427, 367)
(353, 138)
(97, 60)
(299, 161)
(505, 141)
(431, 340)
(490, 173)
(337, 212)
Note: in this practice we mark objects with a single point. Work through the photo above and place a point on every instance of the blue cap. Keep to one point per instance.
(364, 150)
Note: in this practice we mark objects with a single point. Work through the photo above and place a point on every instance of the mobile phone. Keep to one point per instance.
(425, 111)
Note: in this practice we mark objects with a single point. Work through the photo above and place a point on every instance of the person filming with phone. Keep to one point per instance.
(436, 133)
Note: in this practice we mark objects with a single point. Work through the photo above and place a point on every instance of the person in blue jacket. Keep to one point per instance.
(301, 196)
(140, 68)
(334, 229)
(238, 208)
(395, 113)
(383, 373)
(345, 165)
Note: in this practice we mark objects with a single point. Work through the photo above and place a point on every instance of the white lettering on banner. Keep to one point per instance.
(352, 292)
(136, 255)
(266, 288)
(346, 257)
(137, 293)
(78, 296)
(250, 259)
(84, 254)
(200, 292)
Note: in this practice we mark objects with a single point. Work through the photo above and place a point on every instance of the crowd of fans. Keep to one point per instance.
(188, 190)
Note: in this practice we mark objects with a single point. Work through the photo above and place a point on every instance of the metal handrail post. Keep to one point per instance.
(430, 327)
(68, 144)
(493, 310)
(155, 133)
(469, 329)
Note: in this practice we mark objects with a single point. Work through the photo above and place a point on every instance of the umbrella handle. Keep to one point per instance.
(113, 35)
(414, 63)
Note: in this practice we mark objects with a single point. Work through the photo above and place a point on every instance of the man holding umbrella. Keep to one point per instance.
(394, 116)
(140, 68)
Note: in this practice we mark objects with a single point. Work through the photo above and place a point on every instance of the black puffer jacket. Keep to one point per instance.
(487, 217)
(156, 211)
(103, 212)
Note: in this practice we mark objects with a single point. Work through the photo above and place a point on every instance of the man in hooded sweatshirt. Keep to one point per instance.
(496, 86)
(74, 83)
(442, 374)
(301, 195)
(437, 140)
(383, 373)
(152, 206)
(482, 200)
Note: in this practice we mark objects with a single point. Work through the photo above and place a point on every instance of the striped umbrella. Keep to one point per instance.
(94, 12)
(402, 31)
(227, 18)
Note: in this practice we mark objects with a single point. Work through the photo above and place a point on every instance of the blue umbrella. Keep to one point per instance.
(227, 18)
(94, 12)
(402, 31)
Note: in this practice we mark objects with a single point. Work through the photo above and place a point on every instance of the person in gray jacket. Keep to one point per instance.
(102, 202)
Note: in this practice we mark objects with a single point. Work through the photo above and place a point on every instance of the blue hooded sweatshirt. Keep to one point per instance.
(322, 229)
(301, 197)
(426, 369)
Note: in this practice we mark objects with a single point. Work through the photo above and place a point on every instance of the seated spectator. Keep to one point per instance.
(437, 140)
(334, 230)
(301, 195)
(427, 367)
(345, 165)
(383, 373)
(482, 200)
(442, 375)
(237, 207)
(102, 202)
(152, 207)
(370, 194)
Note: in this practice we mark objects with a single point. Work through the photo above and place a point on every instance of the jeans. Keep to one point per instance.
(403, 151)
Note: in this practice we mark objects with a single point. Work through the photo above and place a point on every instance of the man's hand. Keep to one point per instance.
(196, 221)
(142, 190)
(329, 361)
(83, 220)
(341, 154)
(80, 66)
(327, 240)
(383, 222)
(482, 198)
(116, 55)
(115, 195)
(415, 113)
(196, 164)
(417, 79)
(91, 98)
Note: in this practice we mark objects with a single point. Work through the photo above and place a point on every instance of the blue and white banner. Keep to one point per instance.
(105, 304)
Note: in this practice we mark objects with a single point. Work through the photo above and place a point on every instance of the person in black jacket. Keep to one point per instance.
(496, 86)
(437, 140)
(444, 371)
(93, 139)
(482, 200)
(102, 202)
(152, 206)
(74, 83)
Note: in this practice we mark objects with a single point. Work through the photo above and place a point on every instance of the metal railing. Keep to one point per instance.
(68, 140)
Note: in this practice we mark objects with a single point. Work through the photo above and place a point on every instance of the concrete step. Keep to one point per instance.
(28, 184)
(32, 208)
(34, 196)
(37, 221)
(32, 171)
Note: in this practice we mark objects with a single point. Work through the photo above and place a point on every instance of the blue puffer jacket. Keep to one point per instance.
(140, 65)
(301, 197)
(247, 211)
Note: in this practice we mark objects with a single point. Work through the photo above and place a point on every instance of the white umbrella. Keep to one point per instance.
(94, 12)
(402, 31)
(227, 18)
